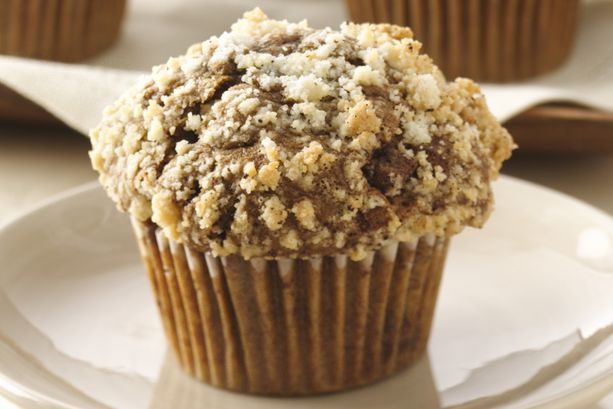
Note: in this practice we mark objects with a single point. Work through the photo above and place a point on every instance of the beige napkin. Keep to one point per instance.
(157, 29)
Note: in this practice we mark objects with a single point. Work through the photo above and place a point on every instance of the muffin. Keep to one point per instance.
(62, 30)
(293, 192)
(483, 39)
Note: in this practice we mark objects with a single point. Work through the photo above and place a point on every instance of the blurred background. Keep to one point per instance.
(546, 67)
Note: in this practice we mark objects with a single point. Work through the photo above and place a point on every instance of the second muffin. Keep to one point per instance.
(293, 191)
(487, 40)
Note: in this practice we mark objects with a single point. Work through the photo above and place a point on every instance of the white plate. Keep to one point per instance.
(524, 319)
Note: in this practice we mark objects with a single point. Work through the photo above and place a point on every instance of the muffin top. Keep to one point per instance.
(279, 140)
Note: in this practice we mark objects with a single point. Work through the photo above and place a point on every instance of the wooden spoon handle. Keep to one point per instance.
(563, 128)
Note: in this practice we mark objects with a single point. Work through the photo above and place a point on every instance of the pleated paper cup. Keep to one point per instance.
(292, 326)
(62, 30)
(487, 40)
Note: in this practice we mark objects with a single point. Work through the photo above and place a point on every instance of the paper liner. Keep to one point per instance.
(294, 327)
(485, 40)
(63, 30)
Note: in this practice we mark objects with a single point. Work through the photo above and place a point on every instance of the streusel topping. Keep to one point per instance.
(279, 140)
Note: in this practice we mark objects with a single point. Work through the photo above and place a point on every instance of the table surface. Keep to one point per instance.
(37, 162)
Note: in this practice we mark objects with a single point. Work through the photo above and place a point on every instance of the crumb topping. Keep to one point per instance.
(278, 140)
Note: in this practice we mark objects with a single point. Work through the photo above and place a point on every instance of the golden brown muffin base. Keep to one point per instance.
(61, 30)
(294, 327)
(484, 40)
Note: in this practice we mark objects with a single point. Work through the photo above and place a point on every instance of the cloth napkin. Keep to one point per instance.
(157, 29)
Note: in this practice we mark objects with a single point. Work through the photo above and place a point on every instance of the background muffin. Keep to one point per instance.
(61, 30)
(483, 39)
(293, 191)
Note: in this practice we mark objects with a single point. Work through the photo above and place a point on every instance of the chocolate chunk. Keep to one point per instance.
(386, 165)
